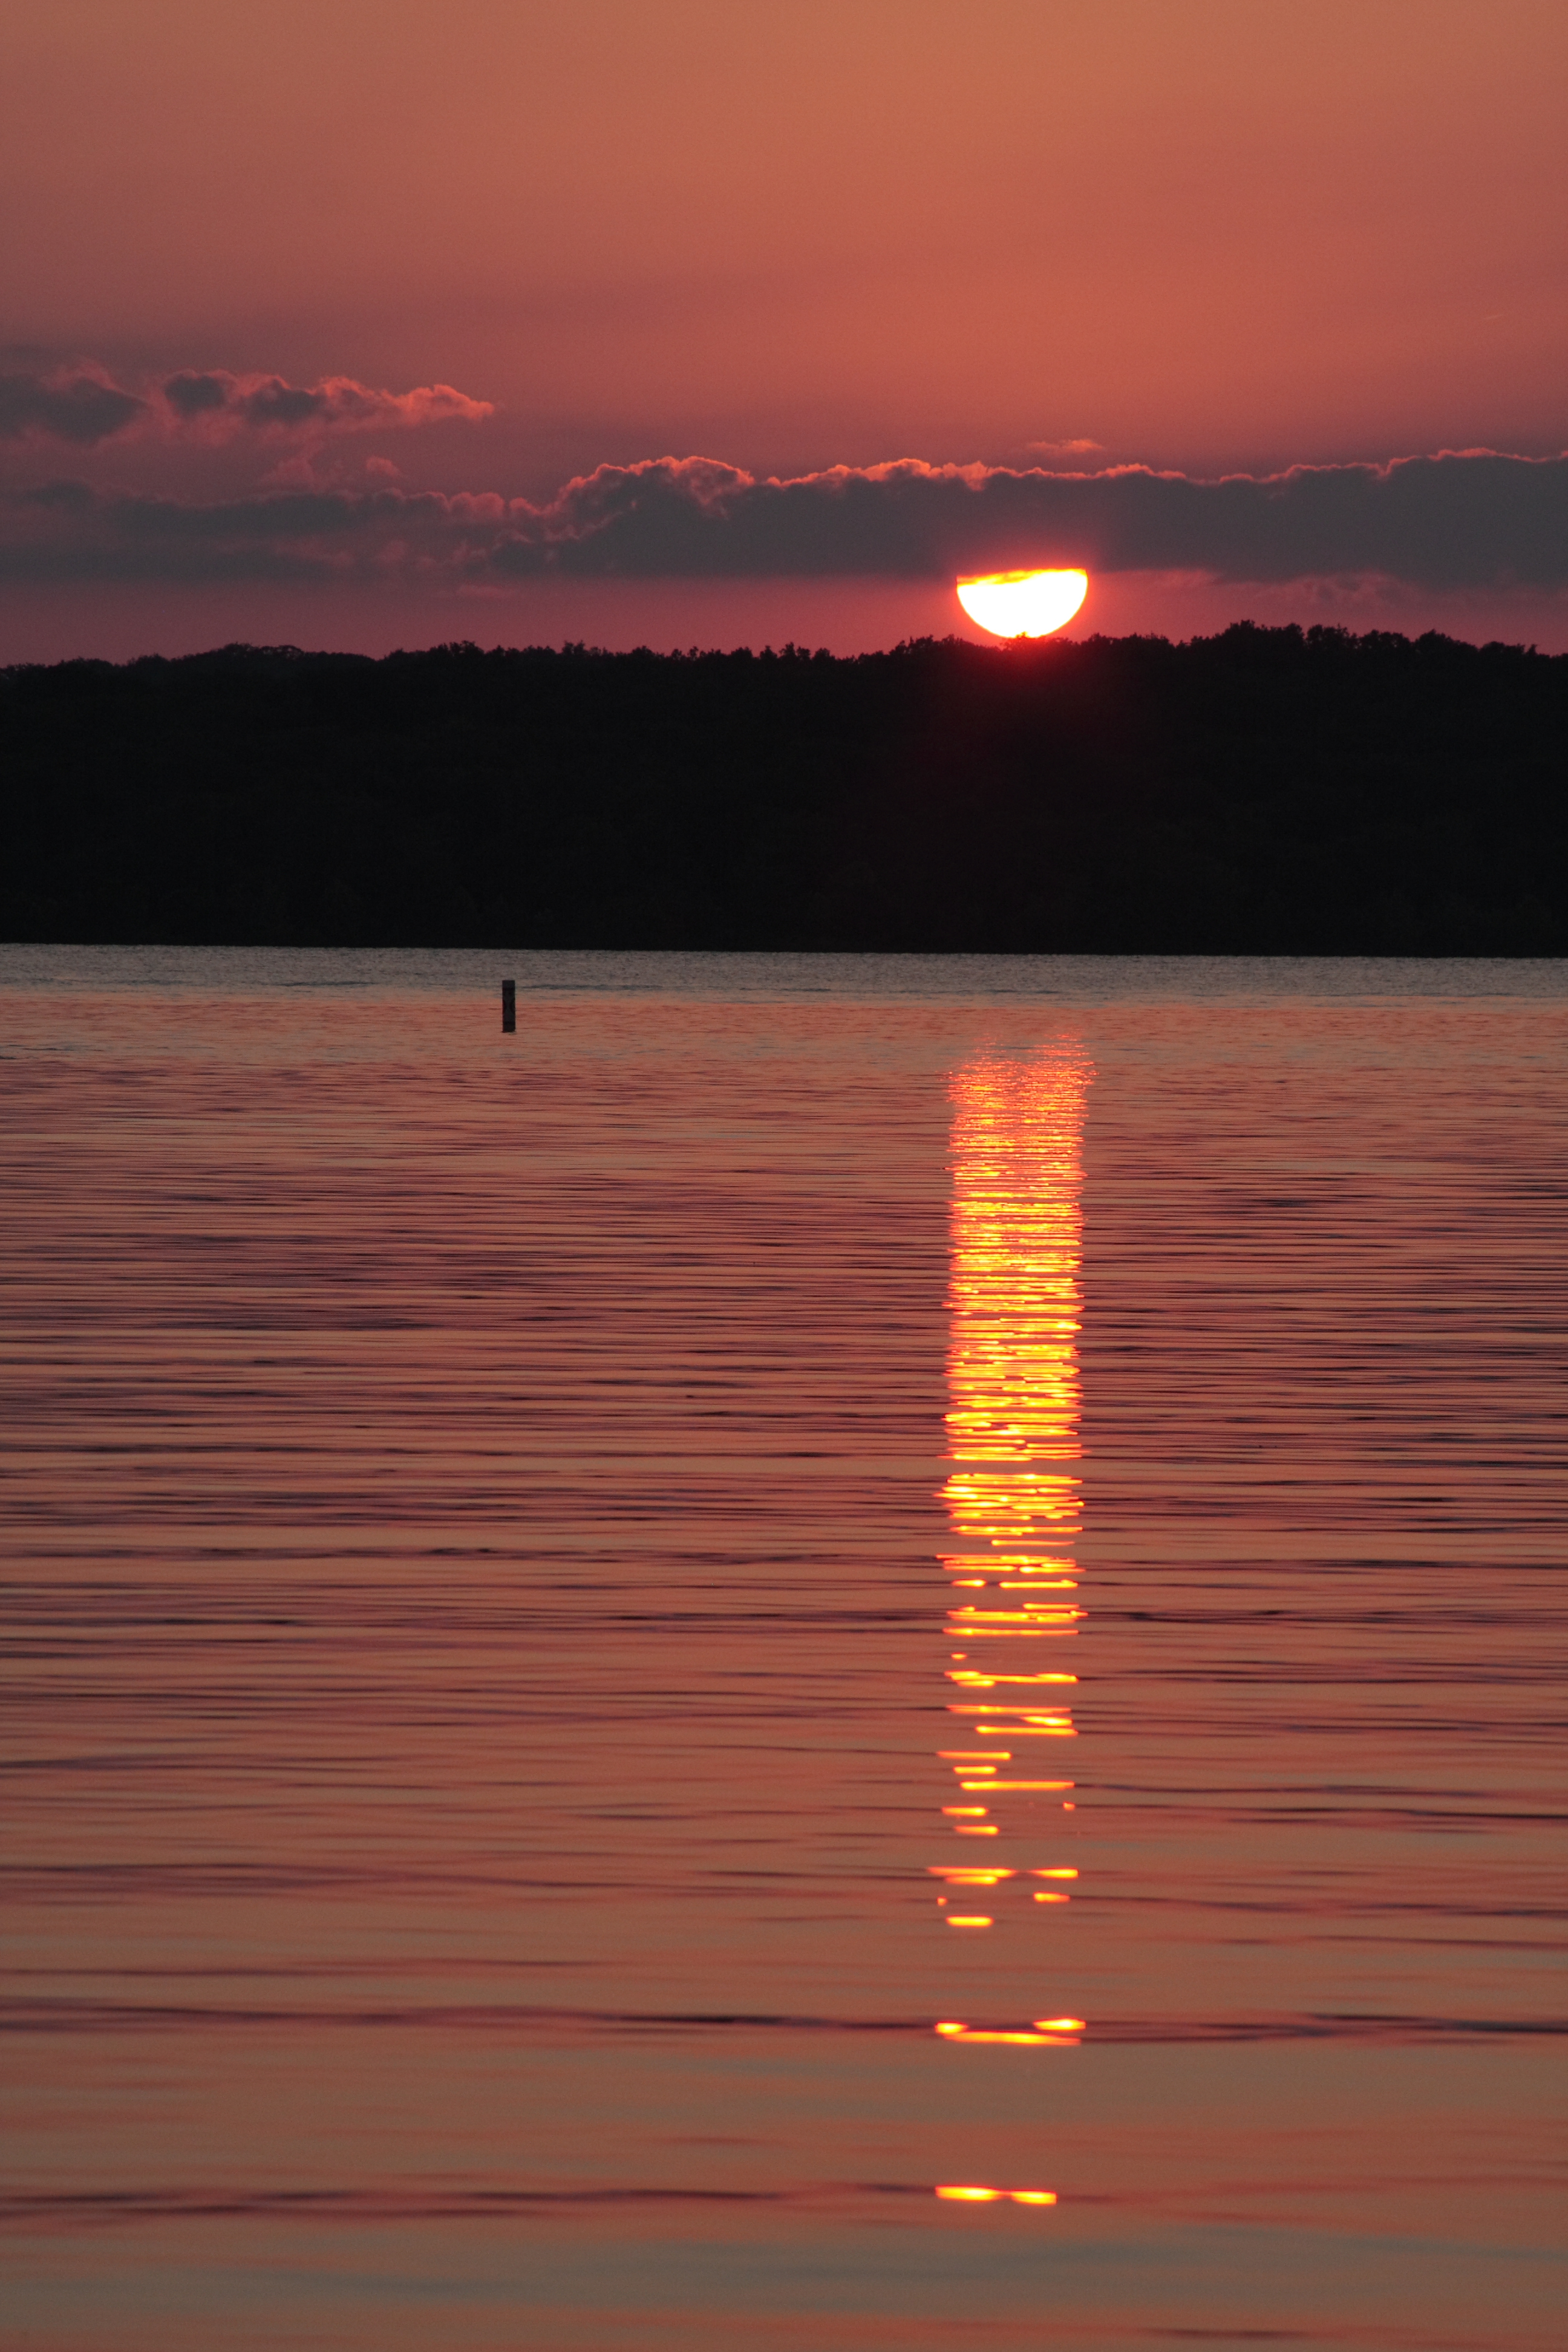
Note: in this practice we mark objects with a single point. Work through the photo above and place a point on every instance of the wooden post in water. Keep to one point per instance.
(507, 1006)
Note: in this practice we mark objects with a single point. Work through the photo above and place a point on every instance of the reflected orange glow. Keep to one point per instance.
(993, 2196)
(1024, 1784)
(989, 1682)
(1044, 1731)
(1034, 2040)
(1013, 1491)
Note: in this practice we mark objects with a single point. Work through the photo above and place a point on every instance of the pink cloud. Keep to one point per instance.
(81, 405)
(219, 404)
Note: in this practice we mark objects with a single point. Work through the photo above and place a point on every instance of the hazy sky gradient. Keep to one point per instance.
(1209, 236)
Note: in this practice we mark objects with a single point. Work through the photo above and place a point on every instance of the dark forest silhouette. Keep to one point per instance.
(1264, 791)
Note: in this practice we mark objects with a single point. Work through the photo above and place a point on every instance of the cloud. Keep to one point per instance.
(1459, 521)
(220, 404)
(1456, 519)
(84, 406)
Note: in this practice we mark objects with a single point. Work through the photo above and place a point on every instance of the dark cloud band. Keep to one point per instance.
(1446, 521)
(1464, 520)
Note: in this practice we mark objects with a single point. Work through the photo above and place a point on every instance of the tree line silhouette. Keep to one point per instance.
(1266, 791)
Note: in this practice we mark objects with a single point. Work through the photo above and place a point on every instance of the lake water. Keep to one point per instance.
(853, 1654)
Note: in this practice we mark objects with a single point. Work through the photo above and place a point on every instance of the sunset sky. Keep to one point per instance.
(361, 325)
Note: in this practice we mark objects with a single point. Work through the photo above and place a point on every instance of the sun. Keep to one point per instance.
(1023, 604)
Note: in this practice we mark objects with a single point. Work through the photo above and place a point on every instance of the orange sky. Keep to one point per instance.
(1212, 235)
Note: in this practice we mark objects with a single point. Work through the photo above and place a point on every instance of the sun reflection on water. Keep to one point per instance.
(1013, 1491)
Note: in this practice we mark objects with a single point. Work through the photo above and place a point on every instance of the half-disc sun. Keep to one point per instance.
(1023, 604)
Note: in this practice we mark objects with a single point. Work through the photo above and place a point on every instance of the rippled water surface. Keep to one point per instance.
(828, 1653)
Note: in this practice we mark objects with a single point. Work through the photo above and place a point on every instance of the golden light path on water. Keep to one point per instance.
(1014, 1498)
